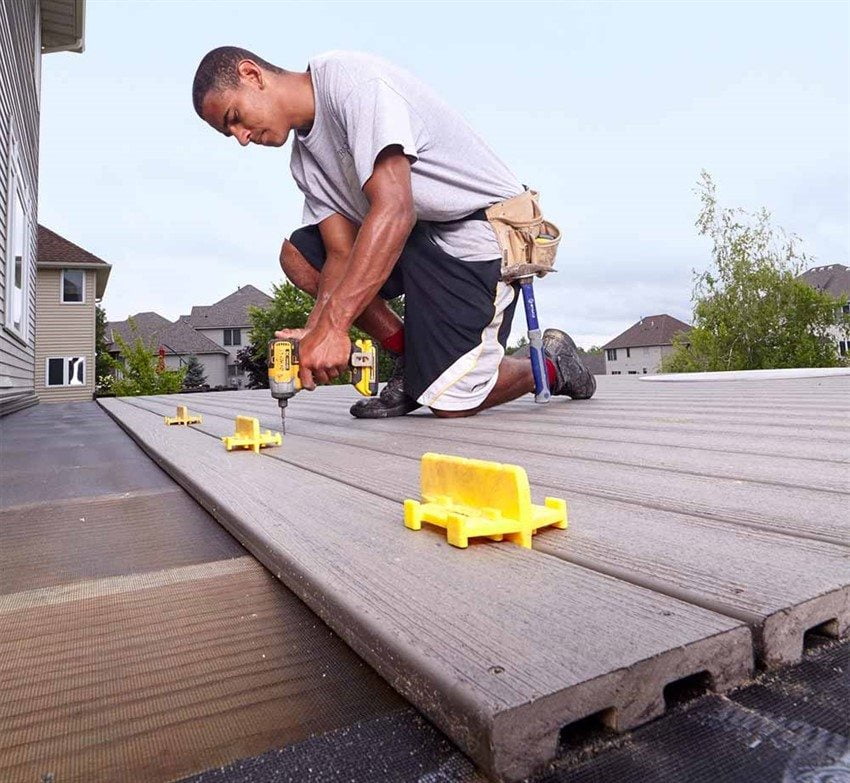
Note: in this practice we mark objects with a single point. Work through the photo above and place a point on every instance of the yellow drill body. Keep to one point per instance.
(284, 366)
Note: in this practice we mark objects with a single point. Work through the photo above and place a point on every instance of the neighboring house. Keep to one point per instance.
(70, 283)
(640, 349)
(834, 280)
(227, 324)
(594, 362)
(28, 28)
(177, 340)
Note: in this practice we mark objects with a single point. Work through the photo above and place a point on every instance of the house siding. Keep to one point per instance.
(215, 366)
(217, 336)
(19, 120)
(64, 330)
(644, 357)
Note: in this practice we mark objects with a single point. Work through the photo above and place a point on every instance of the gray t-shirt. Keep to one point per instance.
(364, 104)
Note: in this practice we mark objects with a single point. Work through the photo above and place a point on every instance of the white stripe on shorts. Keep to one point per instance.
(467, 382)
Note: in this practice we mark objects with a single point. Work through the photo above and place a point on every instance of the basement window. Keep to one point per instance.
(65, 371)
(73, 286)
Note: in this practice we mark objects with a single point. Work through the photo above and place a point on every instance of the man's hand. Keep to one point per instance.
(323, 354)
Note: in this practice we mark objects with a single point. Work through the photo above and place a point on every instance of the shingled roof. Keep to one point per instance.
(55, 251)
(230, 312)
(155, 331)
(833, 279)
(651, 330)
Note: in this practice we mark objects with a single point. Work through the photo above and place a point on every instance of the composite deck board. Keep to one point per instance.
(106, 536)
(785, 469)
(153, 677)
(500, 646)
(563, 414)
(680, 436)
(805, 513)
(721, 566)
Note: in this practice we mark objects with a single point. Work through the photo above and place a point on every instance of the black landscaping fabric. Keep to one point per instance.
(789, 727)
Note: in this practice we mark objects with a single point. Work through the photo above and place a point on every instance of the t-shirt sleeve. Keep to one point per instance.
(375, 117)
(315, 210)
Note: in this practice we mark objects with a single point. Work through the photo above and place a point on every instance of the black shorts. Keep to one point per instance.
(457, 318)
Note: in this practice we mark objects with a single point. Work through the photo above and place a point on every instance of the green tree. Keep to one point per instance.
(102, 359)
(256, 369)
(137, 372)
(751, 311)
(195, 377)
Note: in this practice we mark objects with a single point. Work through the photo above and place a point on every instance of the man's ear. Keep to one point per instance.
(250, 73)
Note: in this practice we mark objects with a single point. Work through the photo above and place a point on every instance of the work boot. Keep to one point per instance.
(392, 401)
(573, 379)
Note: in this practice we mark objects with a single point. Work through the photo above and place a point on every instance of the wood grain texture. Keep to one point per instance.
(794, 510)
(153, 677)
(736, 570)
(500, 646)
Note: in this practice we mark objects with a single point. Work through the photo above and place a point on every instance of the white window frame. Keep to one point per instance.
(66, 363)
(17, 189)
(228, 333)
(62, 299)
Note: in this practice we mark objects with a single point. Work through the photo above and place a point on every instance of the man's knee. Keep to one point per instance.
(453, 414)
(297, 269)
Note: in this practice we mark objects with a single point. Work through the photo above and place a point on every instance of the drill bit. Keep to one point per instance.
(282, 402)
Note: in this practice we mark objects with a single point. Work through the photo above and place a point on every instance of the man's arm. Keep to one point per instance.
(325, 348)
(379, 242)
(338, 235)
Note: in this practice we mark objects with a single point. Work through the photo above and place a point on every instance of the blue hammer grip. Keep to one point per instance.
(535, 339)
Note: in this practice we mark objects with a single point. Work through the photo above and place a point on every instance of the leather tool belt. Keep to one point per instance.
(527, 241)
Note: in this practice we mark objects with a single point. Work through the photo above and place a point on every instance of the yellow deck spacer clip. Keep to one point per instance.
(472, 497)
(182, 417)
(248, 436)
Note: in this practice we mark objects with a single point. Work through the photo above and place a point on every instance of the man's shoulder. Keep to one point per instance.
(351, 67)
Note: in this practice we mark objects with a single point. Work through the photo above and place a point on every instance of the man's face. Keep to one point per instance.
(248, 113)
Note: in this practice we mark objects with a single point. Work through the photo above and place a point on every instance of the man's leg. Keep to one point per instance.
(515, 379)
(378, 320)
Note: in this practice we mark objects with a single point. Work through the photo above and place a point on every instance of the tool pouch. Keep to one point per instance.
(527, 241)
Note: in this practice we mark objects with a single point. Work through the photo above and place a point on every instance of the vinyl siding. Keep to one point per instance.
(642, 358)
(64, 330)
(19, 127)
(214, 364)
(217, 336)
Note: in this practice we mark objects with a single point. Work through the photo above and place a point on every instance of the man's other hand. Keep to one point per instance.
(323, 354)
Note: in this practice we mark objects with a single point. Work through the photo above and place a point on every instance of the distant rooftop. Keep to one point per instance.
(833, 279)
(155, 331)
(230, 312)
(651, 330)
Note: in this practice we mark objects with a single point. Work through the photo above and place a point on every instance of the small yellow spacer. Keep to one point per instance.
(183, 417)
(472, 498)
(249, 436)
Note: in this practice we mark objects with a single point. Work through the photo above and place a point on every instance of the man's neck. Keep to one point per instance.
(296, 90)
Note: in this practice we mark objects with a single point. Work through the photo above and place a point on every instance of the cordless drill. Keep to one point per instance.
(284, 365)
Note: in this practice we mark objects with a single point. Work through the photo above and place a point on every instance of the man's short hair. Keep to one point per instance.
(217, 71)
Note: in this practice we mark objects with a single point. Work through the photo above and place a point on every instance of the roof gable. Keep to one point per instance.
(230, 312)
(53, 248)
(54, 251)
(833, 279)
(651, 330)
(155, 331)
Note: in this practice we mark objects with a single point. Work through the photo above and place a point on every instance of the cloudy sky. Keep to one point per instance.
(610, 110)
